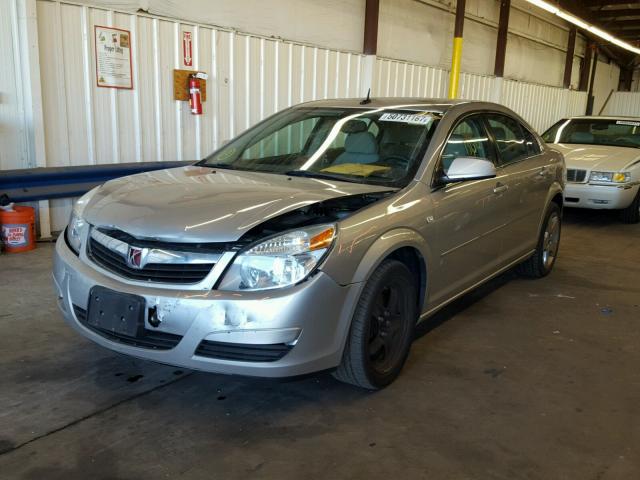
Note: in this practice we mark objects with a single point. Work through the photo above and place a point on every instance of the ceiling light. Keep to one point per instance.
(549, 7)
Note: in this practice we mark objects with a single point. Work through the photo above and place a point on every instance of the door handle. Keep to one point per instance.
(500, 188)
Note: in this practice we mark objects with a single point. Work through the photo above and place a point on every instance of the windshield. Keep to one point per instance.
(615, 133)
(379, 146)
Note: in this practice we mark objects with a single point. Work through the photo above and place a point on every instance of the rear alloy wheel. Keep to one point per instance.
(631, 214)
(382, 328)
(541, 262)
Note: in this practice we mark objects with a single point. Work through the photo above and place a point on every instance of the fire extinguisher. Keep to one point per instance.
(195, 98)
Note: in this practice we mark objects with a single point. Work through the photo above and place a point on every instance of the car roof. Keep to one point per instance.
(433, 104)
(605, 117)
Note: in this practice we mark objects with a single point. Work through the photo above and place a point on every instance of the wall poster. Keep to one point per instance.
(113, 57)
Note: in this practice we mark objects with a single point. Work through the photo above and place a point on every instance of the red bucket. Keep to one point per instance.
(18, 229)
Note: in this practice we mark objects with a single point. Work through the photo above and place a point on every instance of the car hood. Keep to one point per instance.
(199, 204)
(597, 157)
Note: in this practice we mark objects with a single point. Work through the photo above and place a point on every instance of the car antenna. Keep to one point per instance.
(366, 100)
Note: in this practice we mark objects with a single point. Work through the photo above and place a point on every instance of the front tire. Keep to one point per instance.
(631, 214)
(382, 328)
(542, 261)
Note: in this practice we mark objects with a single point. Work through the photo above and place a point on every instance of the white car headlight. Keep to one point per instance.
(77, 223)
(280, 261)
(74, 231)
(611, 177)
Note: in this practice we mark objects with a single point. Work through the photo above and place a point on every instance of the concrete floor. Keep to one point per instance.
(522, 379)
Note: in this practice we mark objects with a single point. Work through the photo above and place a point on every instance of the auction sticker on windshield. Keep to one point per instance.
(419, 119)
(627, 122)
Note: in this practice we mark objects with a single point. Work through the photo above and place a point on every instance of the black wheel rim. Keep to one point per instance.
(388, 328)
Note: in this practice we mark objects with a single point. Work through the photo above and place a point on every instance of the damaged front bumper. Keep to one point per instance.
(275, 333)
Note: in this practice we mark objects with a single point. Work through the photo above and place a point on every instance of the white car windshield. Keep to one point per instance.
(379, 146)
(610, 132)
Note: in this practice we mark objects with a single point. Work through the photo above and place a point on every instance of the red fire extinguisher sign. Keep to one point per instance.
(187, 49)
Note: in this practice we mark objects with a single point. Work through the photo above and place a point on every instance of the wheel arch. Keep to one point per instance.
(555, 195)
(404, 245)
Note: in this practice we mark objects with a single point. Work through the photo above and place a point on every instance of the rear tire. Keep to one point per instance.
(631, 214)
(382, 328)
(542, 261)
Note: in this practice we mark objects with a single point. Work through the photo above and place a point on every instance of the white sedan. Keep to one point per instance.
(603, 163)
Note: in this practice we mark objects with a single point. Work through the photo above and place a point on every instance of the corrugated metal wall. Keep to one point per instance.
(14, 149)
(250, 77)
(540, 105)
(623, 103)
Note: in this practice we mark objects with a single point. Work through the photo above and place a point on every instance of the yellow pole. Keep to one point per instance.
(456, 59)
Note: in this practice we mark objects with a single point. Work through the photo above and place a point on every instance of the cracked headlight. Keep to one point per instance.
(76, 221)
(610, 177)
(280, 261)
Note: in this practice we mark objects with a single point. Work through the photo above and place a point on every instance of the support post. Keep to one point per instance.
(371, 13)
(370, 45)
(501, 45)
(590, 98)
(568, 63)
(626, 77)
(585, 66)
(456, 57)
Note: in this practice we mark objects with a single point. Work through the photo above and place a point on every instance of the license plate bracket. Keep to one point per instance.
(116, 312)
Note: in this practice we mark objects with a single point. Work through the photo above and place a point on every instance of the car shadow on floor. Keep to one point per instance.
(462, 303)
(586, 217)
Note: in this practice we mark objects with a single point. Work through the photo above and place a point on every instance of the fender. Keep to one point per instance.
(555, 189)
(381, 248)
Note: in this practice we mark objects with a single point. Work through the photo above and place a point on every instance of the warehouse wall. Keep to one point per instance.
(540, 105)
(606, 80)
(417, 31)
(334, 24)
(421, 32)
(250, 77)
(624, 103)
(14, 138)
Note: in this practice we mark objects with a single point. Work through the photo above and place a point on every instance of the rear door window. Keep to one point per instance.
(509, 137)
(533, 147)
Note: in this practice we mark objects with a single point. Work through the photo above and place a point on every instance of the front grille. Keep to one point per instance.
(183, 273)
(244, 352)
(155, 340)
(576, 176)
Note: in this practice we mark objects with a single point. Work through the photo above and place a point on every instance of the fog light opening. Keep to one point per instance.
(154, 321)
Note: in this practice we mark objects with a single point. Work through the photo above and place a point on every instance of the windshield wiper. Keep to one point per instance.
(227, 166)
(325, 176)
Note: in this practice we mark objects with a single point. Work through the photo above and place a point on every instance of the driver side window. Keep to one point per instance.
(468, 139)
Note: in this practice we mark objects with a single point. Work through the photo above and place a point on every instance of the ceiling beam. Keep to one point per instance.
(605, 3)
(621, 24)
(631, 33)
(576, 7)
(627, 12)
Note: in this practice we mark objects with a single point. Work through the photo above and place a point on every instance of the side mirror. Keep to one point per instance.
(469, 168)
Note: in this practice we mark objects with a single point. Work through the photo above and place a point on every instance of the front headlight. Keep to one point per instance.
(77, 222)
(280, 261)
(74, 231)
(610, 177)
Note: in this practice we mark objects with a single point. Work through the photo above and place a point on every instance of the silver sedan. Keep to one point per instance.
(315, 240)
